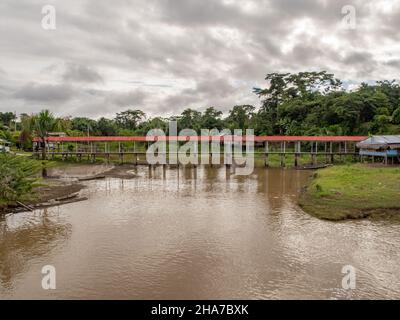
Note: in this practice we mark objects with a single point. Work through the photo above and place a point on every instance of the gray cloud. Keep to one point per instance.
(79, 73)
(44, 93)
(165, 55)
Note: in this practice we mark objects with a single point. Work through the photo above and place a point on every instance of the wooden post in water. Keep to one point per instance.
(313, 153)
(283, 154)
(134, 153)
(266, 164)
(326, 152)
(121, 156)
(297, 148)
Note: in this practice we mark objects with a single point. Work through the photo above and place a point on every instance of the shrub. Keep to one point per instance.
(396, 116)
(18, 176)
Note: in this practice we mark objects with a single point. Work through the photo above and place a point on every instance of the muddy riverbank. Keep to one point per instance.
(64, 184)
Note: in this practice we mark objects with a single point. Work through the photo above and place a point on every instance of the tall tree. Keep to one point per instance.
(107, 127)
(240, 117)
(130, 119)
(190, 119)
(211, 119)
(42, 124)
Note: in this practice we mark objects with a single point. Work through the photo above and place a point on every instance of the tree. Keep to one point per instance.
(17, 177)
(396, 116)
(106, 127)
(130, 119)
(153, 123)
(284, 87)
(25, 136)
(85, 125)
(240, 117)
(190, 119)
(42, 124)
(211, 119)
(6, 118)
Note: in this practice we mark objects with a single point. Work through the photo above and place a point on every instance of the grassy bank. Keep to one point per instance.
(352, 191)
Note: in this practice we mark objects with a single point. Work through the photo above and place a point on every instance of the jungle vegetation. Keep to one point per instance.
(305, 103)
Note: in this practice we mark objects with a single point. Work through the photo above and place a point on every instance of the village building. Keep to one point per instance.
(4, 145)
(386, 148)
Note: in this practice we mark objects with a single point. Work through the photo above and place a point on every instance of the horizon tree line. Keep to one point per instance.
(306, 103)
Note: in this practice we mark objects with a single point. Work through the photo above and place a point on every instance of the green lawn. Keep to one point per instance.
(352, 191)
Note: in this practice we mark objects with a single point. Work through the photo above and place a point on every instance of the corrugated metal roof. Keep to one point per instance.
(205, 138)
(385, 141)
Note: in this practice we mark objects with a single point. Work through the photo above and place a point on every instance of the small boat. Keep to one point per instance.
(68, 197)
(314, 167)
(92, 178)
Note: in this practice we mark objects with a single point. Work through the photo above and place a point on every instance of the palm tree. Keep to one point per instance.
(42, 124)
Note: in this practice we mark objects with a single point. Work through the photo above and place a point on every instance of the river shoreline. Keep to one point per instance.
(325, 197)
(352, 192)
(64, 183)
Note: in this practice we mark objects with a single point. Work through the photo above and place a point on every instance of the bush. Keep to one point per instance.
(17, 177)
(396, 116)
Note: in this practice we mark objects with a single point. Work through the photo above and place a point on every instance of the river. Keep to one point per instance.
(196, 234)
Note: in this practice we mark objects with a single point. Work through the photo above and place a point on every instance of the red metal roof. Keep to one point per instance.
(206, 138)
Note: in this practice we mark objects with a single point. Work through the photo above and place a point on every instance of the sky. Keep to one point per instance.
(163, 56)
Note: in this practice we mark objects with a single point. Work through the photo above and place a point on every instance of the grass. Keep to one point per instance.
(352, 191)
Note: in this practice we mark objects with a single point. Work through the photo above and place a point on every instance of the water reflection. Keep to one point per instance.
(26, 236)
(197, 233)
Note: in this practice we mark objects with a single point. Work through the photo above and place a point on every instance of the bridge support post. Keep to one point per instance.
(297, 151)
(314, 159)
(283, 160)
(296, 160)
(283, 154)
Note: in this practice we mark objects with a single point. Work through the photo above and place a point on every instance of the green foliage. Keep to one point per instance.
(17, 177)
(396, 116)
(305, 103)
(129, 119)
(84, 125)
(107, 127)
(316, 103)
(240, 117)
(6, 118)
(211, 119)
(6, 135)
(190, 118)
(44, 122)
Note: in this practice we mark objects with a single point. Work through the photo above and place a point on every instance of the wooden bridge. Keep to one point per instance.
(132, 149)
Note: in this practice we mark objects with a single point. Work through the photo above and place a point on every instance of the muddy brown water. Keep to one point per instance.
(196, 234)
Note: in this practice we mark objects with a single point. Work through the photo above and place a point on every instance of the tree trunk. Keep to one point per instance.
(43, 149)
(44, 170)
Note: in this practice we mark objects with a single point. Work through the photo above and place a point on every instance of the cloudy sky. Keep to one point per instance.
(163, 56)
